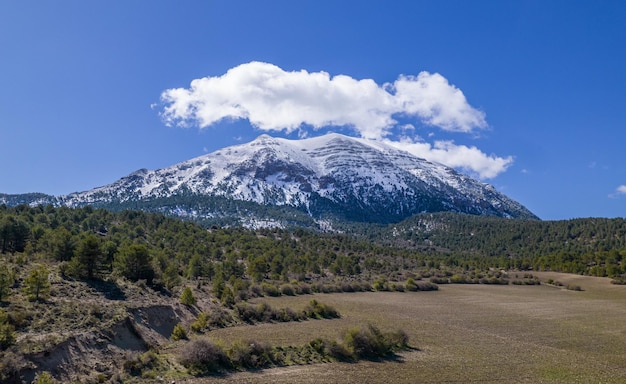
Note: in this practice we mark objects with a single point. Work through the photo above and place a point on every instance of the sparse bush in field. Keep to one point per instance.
(439, 280)
(287, 290)
(187, 298)
(201, 322)
(380, 284)
(305, 289)
(270, 289)
(219, 318)
(365, 286)
(494, 280)
(250, 354)
(331, 348)
(202, 356)
(316, 309)
(370, 342)
(572, 287)
(427, 286)
(410, 285)
(347, 287)
(179, 333)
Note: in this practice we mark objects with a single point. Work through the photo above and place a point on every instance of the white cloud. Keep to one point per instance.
(469, 159)
(274, 99)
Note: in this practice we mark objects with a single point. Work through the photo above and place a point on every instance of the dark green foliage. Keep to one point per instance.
(6, 281)
(7, 332)
(187, 298)
(86, 240)
(179, 333)
(89, 258)
(265, 313)
(36, 285)
(250, 354)
(14, 234)
(315, 309)
(134, 262)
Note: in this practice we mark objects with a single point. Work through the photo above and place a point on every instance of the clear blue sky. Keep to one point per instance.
(543, 103)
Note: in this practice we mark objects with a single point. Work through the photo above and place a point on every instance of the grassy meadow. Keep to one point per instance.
(462, 334)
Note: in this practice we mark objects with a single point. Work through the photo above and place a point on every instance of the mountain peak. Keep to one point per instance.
(329, 175)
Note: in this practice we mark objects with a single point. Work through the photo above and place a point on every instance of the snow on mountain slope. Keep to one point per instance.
(356, 178)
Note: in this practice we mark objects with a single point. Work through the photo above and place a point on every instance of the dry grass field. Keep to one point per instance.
(463, 334)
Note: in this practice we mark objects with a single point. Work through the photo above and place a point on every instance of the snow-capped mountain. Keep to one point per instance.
(355, 179)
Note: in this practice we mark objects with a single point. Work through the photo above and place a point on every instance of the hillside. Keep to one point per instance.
(85, 287)
(588, 245)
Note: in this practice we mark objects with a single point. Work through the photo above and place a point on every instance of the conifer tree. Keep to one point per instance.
(37, 285)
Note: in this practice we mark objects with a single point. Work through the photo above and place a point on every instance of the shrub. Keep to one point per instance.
(7, 336)
(331, 348)
(201, 322)
(410, 285)
(201, 356)
(10, 366)
(219, 318)
(287, 290)
(44, 378)
(187, 298)
(370, 342)
(574, 287)
(37, 286)
(439, 280)
(250, 354)
(380, 285)
(427, 286)
(270, 289)
(227, 298)
(179, 333)
(316, 309)
(305, 289)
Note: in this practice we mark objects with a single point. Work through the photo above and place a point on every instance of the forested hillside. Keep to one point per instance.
(90, 278)
(593, 246)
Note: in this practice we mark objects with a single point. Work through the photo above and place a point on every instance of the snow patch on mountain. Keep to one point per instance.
(356, 176)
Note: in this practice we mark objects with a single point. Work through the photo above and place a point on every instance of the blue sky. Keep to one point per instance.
(529, 96)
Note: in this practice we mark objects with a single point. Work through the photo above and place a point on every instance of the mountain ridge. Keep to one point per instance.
(330, 175)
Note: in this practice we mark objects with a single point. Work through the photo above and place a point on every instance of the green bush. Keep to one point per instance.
(410, 285)
(44, 378)
(187, 298)
(316, 309)
(7, 336)
(270, 290)
(179, 333)
(201, 322)
(250, 354)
